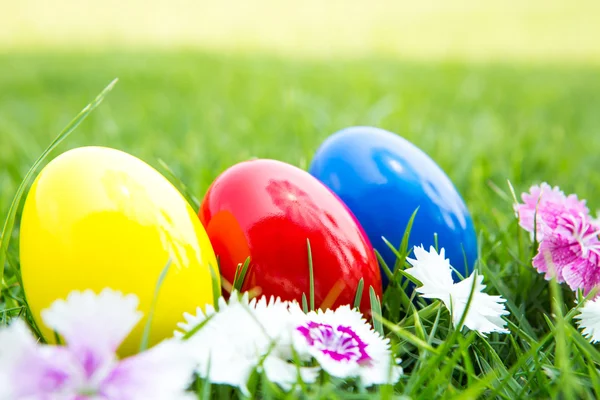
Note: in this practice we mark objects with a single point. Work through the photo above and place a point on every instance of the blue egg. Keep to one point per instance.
(383, 178)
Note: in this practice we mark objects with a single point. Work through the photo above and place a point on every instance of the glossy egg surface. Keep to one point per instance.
(266, 210)
(97, 217)
(383, 179)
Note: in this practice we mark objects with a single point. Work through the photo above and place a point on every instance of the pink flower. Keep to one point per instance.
(548, 204)
(93, 326)
(571, 252)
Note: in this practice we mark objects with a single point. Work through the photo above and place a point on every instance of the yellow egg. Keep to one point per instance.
(97, 217)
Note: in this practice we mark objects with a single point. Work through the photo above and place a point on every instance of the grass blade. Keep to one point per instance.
(182, 187)
(409, 337)
(376, 311)
(386, 270)
(216, 286)
(240, 275)
(196, 328)
(15, 205)
(311, 277)
(304, 304)
(404, 243)
(359, 292)
(148, 326)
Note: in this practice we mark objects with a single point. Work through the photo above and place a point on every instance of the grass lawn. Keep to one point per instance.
(484, 124)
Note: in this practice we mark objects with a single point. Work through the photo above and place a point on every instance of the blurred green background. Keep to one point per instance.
(491, 90)
(541, 30)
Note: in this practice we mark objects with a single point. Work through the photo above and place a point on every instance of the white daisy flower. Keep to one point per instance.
(234, 341)
(433, 270)
(589, 320)
(345, 345)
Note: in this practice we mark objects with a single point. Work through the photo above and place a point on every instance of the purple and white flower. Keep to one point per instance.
(434, 271)
(93, 326)
(345, 345)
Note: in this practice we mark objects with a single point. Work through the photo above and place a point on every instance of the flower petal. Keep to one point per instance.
(553, 255)
(286, 374)
(29, 370)
(433, 270)
(383, 372)
(485, 312)
(345, 345)
(232, 343)
(163, 372)
(589, 320)
(98, 320)
(571, 253)
(93, 325)
(548, 204)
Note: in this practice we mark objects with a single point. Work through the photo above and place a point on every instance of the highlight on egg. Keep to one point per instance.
(383, 179)
(97, 217)
(267, 210)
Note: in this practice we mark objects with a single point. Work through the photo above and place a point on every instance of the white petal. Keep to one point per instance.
(339, 369)
(192, 321)
(382, 372)
(432, 270)
(589, 320)
(16, 343)
(232, 343)
(29, 370)
(435, 273)
(485, 311)
(88, 320)
(275, 318)
(286, 374)
(163, 372)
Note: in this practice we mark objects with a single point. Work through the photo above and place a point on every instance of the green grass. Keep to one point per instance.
(484, 124)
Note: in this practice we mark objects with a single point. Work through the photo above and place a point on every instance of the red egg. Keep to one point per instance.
(266, 210)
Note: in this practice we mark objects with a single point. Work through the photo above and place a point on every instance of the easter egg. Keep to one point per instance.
(99, 218)
(383, 179)
(267, 210)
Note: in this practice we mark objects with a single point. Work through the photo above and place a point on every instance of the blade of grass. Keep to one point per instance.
(183, 189)
(447, 345)
(375, 311)
(304, 304)
(359, 292)
(536, 349)
(235, 276)
(403, 250)
(148, 326)
(216, 286)
(196, 328)
(386, 269)
(16, 202)
(311, 277)
(562, 352)
(206, 387)
(409, 337)
(512, 307)
(240, 275)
